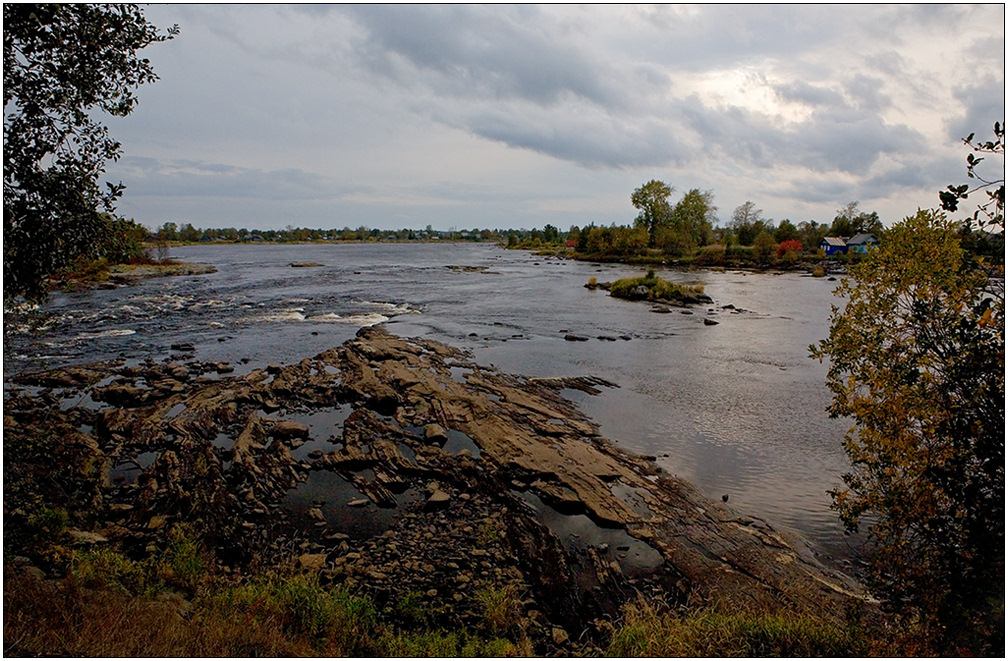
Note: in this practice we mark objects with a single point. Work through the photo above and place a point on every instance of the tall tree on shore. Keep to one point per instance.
(850, 220)
(917, 362)
(693, 216)
(62, 65)
(747, 221)
(652, 199)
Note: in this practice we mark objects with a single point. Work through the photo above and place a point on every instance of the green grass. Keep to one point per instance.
(111, 605)
(501, 606)
(708, 632)
(444, 644)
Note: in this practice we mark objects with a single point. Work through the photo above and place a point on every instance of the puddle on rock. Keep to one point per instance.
(574, 395)
(577, 532)
(331, 494)
(631, 496)
(457, 441)
(325, 429)
(126, 471)
(459, 373)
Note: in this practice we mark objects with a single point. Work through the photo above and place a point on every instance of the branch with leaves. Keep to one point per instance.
(989, 215)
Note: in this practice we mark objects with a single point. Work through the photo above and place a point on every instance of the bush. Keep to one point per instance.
(713, 255)
(792, 246)
(501, 606)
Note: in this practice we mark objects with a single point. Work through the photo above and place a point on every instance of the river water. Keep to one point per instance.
(738, 408)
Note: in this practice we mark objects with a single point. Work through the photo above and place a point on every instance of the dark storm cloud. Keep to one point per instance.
(496, 52)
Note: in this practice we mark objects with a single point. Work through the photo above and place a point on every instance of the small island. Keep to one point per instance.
(650, 287)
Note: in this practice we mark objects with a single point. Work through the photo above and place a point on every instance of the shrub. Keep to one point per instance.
(107, 569)
(713, 255)
(792, 246)
(501, 606)
(48, 524)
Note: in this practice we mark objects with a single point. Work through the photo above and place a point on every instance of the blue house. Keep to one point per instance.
(861, 243)
(832, 245)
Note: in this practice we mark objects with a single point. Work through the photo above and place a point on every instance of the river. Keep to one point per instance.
(738, 408)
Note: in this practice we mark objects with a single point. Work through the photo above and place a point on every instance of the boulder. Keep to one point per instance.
(287, 429)
(312, 561)
(435, 433)
(85, 538)
(438, 500)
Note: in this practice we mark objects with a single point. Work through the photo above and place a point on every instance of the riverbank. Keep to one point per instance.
(96, 275)
(395, 470)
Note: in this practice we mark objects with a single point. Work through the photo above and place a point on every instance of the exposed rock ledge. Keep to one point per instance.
(445, 519)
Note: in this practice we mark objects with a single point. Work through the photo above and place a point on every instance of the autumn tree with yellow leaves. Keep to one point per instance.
(917, 363)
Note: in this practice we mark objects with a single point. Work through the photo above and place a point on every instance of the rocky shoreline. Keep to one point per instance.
(401, 469)
(118, 275)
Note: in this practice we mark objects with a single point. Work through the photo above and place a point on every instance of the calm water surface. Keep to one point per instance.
(737, 408)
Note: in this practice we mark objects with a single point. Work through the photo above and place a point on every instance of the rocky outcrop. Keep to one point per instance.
(437, 485)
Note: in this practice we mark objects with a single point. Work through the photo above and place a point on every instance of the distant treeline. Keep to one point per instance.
(186, 233)
(683, 232)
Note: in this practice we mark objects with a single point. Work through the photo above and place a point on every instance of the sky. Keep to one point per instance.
(494, 116)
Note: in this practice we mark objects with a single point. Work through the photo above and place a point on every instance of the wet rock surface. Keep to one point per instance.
(373, 465)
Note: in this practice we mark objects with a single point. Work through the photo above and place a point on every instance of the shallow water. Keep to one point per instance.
(738, 408)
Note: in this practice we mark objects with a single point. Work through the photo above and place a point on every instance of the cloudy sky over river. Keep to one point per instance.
(518, 116)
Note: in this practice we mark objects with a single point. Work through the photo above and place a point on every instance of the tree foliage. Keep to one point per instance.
(62, 65)
(747, 222)
(652, 200)
(917, 362)
(989, 214)
(851, 221)
(691, 219)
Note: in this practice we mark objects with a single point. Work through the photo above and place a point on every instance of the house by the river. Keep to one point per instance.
(857, 244)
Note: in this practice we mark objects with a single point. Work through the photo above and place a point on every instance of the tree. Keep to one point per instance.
(62, 65)
(917, 362)
(168, 232)
(747, 222)
(786, 231)
(764, 246)
(652, 200)
(850, 221)
(788, 250)
(693, 216)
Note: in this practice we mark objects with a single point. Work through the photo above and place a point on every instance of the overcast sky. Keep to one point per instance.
(518, 116)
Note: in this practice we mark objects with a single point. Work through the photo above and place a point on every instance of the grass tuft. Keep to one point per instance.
(708, 632)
